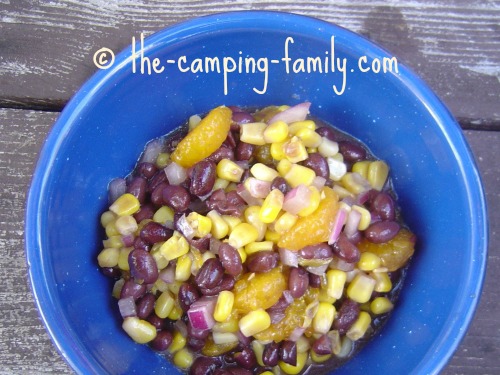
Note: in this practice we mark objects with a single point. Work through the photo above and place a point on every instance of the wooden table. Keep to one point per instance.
(46, 50)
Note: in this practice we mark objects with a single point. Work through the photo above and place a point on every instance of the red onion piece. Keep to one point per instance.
(296, 113)
(247, 197)
(320, 270)
(338, 223)
(352, 222)
(214, 245)
(319, 182)
(181, 327)
(168, 274)
(151, 152)
(363, 197)
(117, 187)
(288, 296)
(288, 257)
(184, 227)
(276, 316)
(296, 333)
(342, 265)
(127, 307)
(176, 174)
(257, 188)
(201, 313)
(128, 240)
(297, 199)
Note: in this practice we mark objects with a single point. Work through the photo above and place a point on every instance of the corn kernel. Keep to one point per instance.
(221, 338)
(162, 160)
(123, 258)
(283, 166)
(276, 132)
(113, 241)
(369, 261)
(377, 174)
(255, 247)
(319, 358)
(253, 133)
(361, 168)
(272, 236)
(294, 150)
(361, 288)
(231, 186)
(230, 326)
(243, 254)
(383, 283)
(178, 342)
(267, 373)
(263, 172)
(272, 206)
(345, 347)
(323, 320)
(176, 313)
(335, 281)
(117, 288)
(196, 258)
(341, 191)
(314, 199)
(294, 127)
(277, 151)
(126, 225)
(309, 137)
(164, 304)
(337, 168)
(285, 221)
(220, 183)
(174, 287)
(107, 217)
(161, 262)
(328, 147)
(298, 174)
(381, 305)
(258, 349)
(126, 204)
(108, 257)
(193, 122)
(207, 255)
(360, 326)
(355, 183)
(229, 170)
(224, 306)
(365, 216)
(141, 331)
(183, 358)
(303, 344)
(220, 228)
(242, 235)
(201, 225)
(323, 296)
(232, 221)
(183, 268)
(293, 370)
(111, 229)
(251, 215)
(163, 214)
(174, 247)
(254, 322)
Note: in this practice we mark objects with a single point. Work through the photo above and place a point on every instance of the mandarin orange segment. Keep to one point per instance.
(314, 228)
(204, 139)
(394, 253)
(259, 290)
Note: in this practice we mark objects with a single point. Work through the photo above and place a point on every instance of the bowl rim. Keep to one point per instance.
(227, 20)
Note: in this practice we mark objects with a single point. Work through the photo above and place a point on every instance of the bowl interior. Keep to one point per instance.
(101, 133)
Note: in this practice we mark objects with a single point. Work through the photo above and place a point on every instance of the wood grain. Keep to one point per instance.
(46, 47)
(25, 347)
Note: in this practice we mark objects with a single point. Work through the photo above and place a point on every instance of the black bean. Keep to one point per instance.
(244, 151)
(382, 231)
(322, 345)
(223, 152)
(138, 188)
(280, 184)
(176, 197)
(188, 294)
(326, 132)
(318, 164)
(146, 170)
(246, 358)
(288, 352)
(157, 193)
(314, 280)
(143, 266)
(227, 283)
(195, 344)
(298, 282)
(146, 212)
(230, 259)
(319, 251)
(204, 366)
(230, 140)
(262, 261)
(202, 178)
(156, 321)
(383, 205)
(201, 244)
(154, 232)
(352, 152)
(157, 179)
(162, 341)
(346, 316)
(145, 305)
(270, 355)
(345, 249)
(197, 333)
(111, 272)
(132, 289)
(242, 117)
(210, 274)
(226, 204)
(141, 244)
(238, 371)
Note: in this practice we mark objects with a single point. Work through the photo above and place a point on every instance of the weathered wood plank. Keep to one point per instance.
(46, 47)
(25, 347)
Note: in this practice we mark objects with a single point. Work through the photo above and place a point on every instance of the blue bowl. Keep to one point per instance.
(103, 129)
